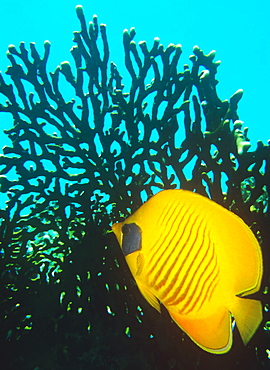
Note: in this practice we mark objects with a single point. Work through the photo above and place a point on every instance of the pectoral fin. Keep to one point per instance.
(149, 296)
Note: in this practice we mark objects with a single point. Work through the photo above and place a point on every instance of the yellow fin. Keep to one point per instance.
(140, 264)
(213, 333)
(135, 262)
(149, 296)
(248, 316)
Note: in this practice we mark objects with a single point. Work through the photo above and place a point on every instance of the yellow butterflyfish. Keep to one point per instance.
(199, 260)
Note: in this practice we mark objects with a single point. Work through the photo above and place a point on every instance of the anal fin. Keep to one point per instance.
(213, 333)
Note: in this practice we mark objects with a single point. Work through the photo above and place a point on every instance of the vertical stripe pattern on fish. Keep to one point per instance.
(198, 259)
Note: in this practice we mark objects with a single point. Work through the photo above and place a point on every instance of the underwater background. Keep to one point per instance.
(87, 141)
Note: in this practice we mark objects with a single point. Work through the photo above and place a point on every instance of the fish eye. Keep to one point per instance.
(126, 229)
(132, 238)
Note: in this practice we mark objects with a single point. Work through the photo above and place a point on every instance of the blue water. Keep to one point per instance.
(237, 30)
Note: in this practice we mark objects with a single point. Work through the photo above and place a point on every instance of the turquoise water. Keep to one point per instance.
(238, 30)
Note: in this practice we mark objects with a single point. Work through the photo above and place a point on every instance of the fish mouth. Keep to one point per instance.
(117, 229)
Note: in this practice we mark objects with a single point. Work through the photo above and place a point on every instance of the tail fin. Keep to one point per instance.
(248, 316)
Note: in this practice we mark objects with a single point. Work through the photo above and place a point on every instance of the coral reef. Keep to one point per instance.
(87, 150)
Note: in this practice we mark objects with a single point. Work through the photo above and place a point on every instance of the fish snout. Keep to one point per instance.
(117, 229)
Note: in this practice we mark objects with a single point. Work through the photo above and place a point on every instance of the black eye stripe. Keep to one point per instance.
(132, 238)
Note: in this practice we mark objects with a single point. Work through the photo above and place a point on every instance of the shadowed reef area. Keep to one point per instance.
(88, 149)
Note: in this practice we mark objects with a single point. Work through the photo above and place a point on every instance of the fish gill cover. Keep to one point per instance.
(88, 150)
